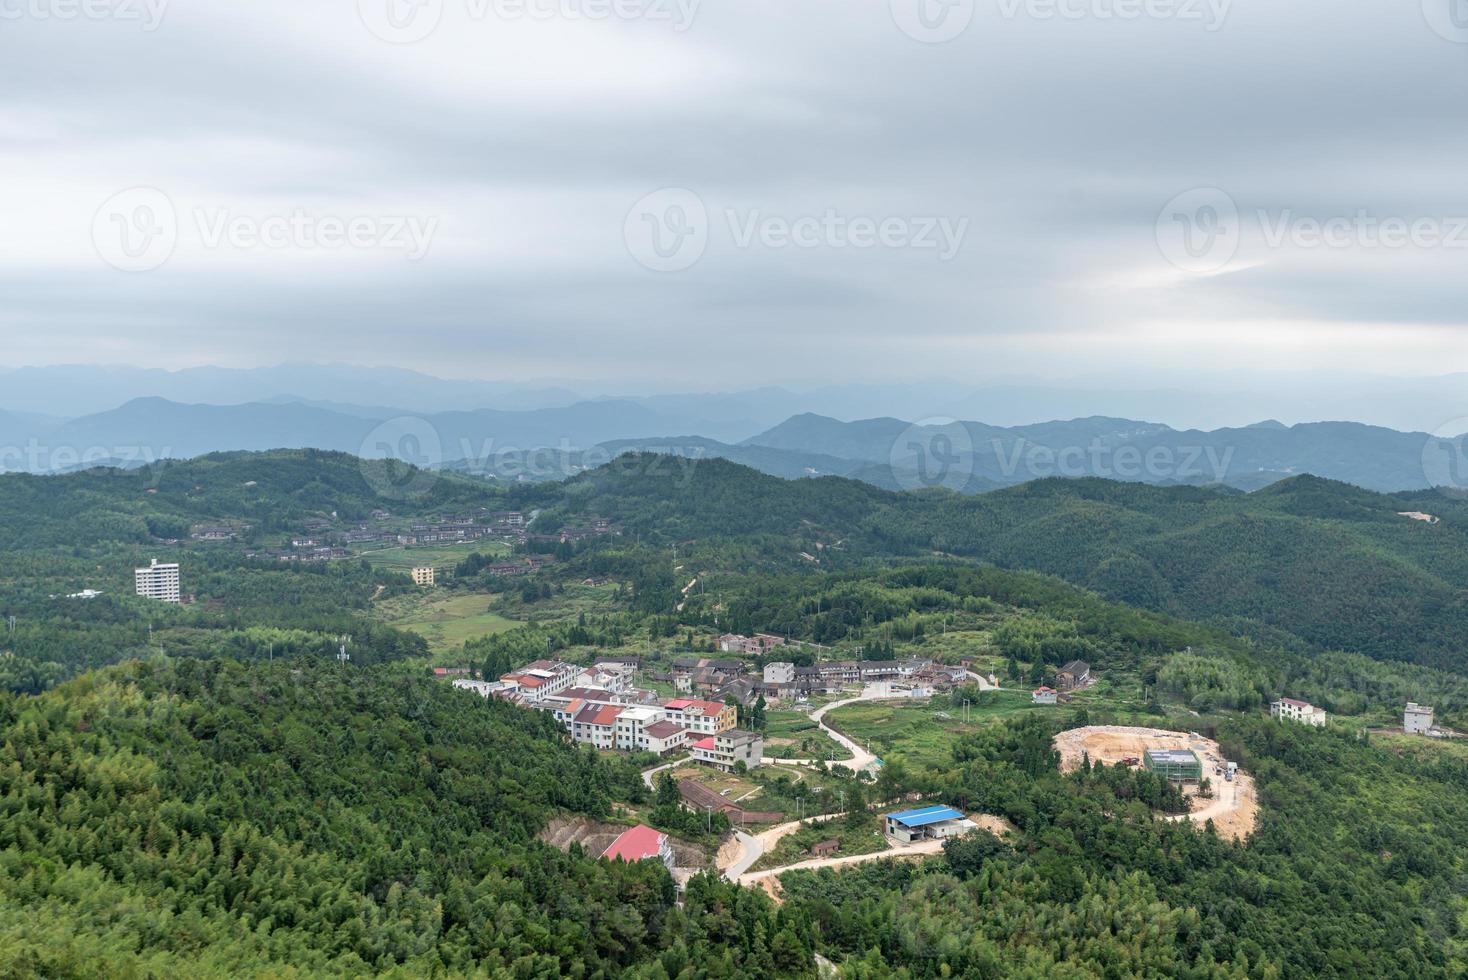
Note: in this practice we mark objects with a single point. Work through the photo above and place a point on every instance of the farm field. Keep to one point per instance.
(446, 621)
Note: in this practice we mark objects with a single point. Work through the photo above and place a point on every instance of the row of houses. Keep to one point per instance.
(613, 714)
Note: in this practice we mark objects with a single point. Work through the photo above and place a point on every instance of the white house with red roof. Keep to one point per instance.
(1044, 695)
(641, 843)
(663, 737)
(727, 749)
(536, 681)
(596, 725)
(701, 717)
(1288, 709)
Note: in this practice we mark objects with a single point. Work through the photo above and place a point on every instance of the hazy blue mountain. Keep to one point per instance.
(972, 456)
(147, 429)
(71, 391)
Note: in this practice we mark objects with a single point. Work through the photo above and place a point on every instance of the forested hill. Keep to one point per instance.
(204, 818)
(1333, 564)
(273, 491)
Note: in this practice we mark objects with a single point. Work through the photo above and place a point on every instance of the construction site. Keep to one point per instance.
(1186, 758)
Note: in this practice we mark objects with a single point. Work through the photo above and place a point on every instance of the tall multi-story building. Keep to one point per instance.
(423, 576)
(158, 581)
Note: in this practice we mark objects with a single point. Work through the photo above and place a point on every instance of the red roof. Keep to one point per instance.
(663, 729)
(1298, 704)
(637, 844)
(603, 715)
(707, 744)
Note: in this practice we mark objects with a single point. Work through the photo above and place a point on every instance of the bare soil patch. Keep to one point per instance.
(1234, 808)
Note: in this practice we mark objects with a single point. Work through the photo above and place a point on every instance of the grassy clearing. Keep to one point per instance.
(857, 834)
(1420, 747)
(792, 735)
(922, 734)
(446, 621)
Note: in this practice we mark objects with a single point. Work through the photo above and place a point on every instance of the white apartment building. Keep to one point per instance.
(1288, 709)
(540, 679)
(157, 581)
(780, 673)
(727, 749)
(632, 726)
(701, 717)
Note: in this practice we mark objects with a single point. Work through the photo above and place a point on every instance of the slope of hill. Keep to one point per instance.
(192, 818)
(1331, 563)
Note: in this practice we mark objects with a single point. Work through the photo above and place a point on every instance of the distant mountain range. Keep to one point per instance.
(1207, 401)
(559, 441)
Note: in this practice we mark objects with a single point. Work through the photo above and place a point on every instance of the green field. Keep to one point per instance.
(446, 621)
(792, 735)
(919, 734)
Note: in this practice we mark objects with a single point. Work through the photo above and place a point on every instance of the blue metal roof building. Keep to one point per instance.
(928, 821)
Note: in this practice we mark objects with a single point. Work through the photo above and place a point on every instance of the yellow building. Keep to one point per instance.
(423, 576)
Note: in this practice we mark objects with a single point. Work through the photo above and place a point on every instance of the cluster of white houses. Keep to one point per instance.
(598, 706)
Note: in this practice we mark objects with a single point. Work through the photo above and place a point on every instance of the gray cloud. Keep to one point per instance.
(1058, 142)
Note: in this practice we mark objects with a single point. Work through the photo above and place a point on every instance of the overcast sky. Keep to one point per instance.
(732, 192)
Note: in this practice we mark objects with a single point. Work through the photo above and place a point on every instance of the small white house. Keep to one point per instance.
(1417, 719)
(1288, 709)
(1044, 695)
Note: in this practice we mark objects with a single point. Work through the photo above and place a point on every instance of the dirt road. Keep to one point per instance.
(895, 851)
(753, 847)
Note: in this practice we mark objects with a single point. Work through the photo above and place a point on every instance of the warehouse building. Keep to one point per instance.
(1178, 765)
(927, 823)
